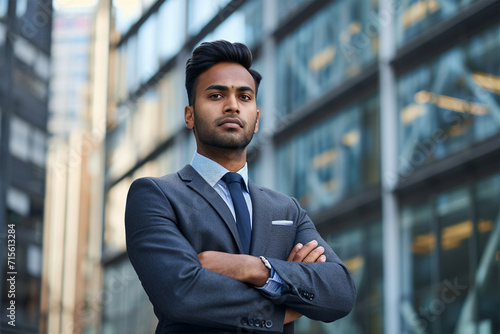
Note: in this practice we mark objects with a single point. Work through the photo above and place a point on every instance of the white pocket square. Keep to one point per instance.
(282, 222)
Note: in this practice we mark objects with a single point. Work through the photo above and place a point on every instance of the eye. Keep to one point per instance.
(215, 96)
(246, 97)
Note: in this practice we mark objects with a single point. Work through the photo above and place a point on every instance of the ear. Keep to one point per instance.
(189, 116)
(257, 123)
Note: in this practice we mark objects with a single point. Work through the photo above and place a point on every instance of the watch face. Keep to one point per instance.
(266, 262)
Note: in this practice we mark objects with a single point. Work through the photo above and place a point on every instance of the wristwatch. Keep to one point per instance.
(266, 263)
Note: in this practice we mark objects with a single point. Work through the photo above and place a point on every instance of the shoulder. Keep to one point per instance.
(274, 196)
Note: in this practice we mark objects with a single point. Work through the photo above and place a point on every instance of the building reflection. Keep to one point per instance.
(382, 119)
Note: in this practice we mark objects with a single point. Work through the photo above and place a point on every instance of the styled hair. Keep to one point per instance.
(209, 54)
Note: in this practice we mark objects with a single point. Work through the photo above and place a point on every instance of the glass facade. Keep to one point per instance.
(336, 158)
(451, 103)
(448, 245)
(244, 25)
(321, 140)
(328, 49)
(360, 247)
(415, 17)
(127, 307)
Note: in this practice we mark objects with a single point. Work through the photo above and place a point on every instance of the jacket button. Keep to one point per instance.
(251, 321)
(244, 321)
(269, 324)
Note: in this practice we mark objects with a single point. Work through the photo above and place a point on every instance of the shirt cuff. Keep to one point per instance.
(274, 287)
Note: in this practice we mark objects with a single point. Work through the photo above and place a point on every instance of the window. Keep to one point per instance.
(451, 103)
(200, 12)
(416, 16)
(360, 249)
(4, 7)
(19, 142)
(148, 57)
(332, 46)
(449, 263)
(244, 25)
(334, 159)
(286, 7)
(128, 309)
(172, 27)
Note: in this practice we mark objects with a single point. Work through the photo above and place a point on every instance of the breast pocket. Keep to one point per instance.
(281, 240)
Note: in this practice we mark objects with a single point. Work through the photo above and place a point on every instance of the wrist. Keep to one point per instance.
(259, 273)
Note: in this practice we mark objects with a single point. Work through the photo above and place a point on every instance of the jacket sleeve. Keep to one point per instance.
(172, 276)
(319, 291)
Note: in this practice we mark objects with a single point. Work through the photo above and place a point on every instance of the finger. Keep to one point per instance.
(314, 255)
(294, 251)
(301, 254)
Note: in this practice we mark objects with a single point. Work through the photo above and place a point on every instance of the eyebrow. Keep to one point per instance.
(225, 88)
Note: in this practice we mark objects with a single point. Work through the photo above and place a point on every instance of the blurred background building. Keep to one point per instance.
(381, 117)
(25, 39)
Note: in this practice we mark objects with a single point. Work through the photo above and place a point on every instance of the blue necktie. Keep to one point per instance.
(234, 183)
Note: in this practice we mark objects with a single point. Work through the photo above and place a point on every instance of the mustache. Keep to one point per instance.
(221, 119)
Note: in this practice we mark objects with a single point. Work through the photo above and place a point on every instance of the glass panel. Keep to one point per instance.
(361, 250)
(126, 306)
(244, 25)
(332, 46)
(19, 142)
(335, 159)
(419, 264)
(132, 70)
(456, 232)
(148, 59)
(286, 7)
(127, 12)
(488, 272)
(413, 17)
(4, 6)
(171, 115)
(200, 12)
(114, 229)
(451, 103)
(172, 27)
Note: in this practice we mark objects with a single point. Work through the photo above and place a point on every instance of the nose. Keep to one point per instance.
(232, 105)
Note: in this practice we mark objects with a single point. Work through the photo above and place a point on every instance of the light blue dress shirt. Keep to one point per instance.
(212, 172)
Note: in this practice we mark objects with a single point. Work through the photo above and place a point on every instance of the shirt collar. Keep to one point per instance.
(212, 172)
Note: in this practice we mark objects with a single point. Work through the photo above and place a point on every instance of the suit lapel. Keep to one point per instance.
(261, 220)
(196, 182)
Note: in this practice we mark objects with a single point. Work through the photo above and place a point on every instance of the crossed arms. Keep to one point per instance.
(213, 289)
(251, 270)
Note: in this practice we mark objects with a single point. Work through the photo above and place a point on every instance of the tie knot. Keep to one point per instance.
(232, 177)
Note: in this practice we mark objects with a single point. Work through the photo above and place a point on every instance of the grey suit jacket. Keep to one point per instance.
(170, 219)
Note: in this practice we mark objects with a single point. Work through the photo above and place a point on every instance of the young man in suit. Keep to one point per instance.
(215, 252)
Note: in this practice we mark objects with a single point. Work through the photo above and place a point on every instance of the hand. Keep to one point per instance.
(308, 254)
(291, 315)
(241, 267)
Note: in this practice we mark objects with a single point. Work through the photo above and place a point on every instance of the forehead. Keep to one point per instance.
(226, 74)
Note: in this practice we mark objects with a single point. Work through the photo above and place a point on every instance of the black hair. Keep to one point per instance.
(210, 53)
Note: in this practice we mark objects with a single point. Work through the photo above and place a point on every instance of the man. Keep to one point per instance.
(215, 252)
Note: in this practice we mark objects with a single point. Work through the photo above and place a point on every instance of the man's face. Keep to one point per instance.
(225, 112)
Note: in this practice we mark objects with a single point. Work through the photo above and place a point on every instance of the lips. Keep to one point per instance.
(231, 123)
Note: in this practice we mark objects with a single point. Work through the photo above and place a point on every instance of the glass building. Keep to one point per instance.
(25, 38)
(381, 117)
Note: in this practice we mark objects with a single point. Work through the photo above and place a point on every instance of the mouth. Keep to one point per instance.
(231, 123)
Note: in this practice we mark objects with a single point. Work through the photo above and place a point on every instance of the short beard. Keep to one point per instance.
(230, 141)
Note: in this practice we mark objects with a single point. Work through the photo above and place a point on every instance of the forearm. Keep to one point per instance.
(320, 291)
(244, 268)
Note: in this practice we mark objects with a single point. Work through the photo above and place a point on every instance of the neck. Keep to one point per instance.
(231, 159)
